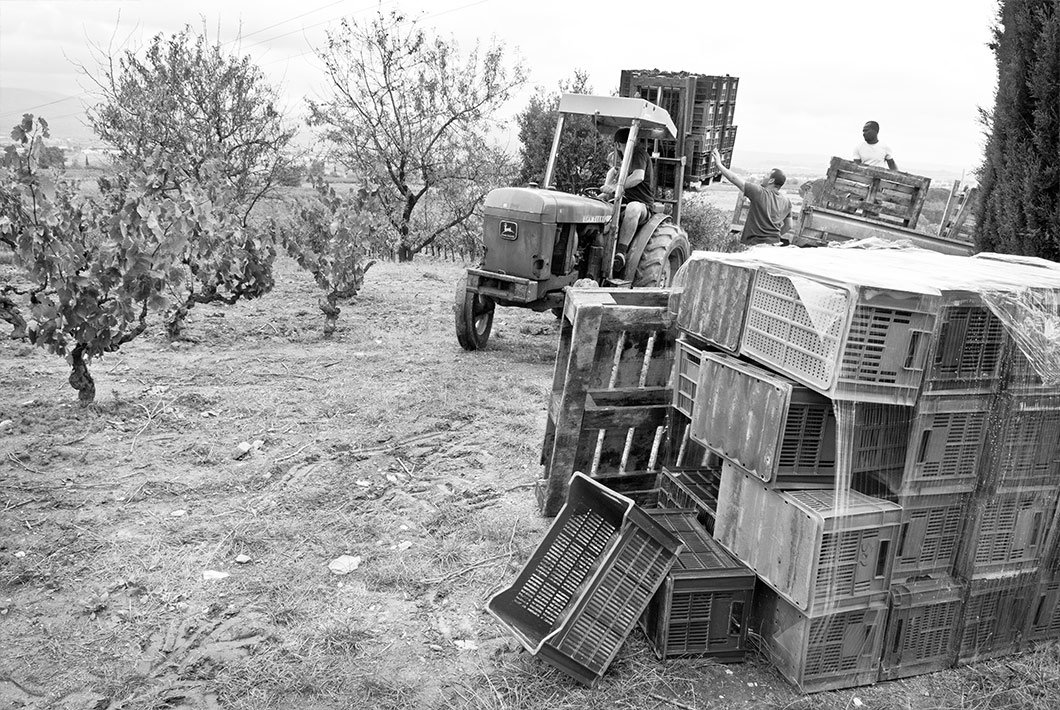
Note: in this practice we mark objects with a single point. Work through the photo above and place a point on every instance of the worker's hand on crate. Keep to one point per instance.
(716, 157)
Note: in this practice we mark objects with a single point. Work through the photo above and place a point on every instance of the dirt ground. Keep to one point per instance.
(145, 563)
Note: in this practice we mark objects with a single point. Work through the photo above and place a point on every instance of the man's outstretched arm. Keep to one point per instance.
(726, 173)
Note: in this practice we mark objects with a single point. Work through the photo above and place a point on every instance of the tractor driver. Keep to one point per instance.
(637, 198)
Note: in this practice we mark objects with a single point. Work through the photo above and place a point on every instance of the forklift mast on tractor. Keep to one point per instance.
(538, 241)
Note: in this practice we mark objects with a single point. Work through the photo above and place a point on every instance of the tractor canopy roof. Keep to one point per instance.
(614, 112)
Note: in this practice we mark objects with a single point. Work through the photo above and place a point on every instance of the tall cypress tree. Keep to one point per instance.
(1019, 203)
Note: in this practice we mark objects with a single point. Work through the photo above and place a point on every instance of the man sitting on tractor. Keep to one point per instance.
(637, 198)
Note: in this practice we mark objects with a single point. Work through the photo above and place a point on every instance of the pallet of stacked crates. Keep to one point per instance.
(935, 488)
(1009, 546)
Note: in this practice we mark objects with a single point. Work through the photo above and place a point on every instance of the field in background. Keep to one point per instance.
(387, 443)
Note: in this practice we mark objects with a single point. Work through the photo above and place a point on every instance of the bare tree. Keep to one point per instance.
(410, 113)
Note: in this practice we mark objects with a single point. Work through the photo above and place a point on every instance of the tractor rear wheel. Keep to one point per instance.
(663, 255)
(474, 317)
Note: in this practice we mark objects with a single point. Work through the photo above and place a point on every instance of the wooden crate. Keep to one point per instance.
(923, 627)
(878, 194)
(816, 549)
(825, 650)
(611, 390)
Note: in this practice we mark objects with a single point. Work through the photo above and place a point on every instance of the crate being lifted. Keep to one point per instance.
(702, 107)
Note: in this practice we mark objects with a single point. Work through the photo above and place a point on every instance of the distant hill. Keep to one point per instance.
(812, 165)
(65, 114)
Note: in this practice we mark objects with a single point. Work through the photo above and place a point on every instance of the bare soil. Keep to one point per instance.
(386, 442)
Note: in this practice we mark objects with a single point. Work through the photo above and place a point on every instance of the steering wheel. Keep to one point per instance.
(597, 194)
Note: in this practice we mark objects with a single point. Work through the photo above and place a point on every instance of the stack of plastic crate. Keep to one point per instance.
(702, 108)
(840, 384)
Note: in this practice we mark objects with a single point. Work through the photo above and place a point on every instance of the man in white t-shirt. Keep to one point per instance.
(872, 151)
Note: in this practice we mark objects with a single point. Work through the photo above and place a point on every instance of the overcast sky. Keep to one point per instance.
(811, 71)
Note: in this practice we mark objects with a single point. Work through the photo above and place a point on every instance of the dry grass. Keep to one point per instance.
(388, 443)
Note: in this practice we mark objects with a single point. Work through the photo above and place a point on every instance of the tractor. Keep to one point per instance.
(538, 241)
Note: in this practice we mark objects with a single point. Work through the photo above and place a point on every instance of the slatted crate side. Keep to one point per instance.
(1019, 375)
(1023, 442)
(713, 302)
(802, 338)
(946, 443)
(610, 388)
(995, 615)
(695, 488)
(923, 627)
(681, 451)
(817, 652)
(881, 440)
(886, 348)
(582, 590)
(832, 557)
(930, 534)
(1007, 532)
(967, 354)
(686, 376)
(704, 605)
(1043, 620)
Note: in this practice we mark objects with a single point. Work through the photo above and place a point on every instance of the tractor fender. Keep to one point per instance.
(636, 249)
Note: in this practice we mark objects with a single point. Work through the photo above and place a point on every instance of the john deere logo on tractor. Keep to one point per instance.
(509, 231)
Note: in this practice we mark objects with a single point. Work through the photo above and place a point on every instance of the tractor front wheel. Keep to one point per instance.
(663, 255)
(474, 317)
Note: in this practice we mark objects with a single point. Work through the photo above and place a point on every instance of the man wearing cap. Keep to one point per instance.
(871, 151)
(769, 216)
(637, 197)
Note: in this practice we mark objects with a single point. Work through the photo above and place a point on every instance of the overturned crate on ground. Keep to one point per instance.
(611, 391)
(586, 585)
(703, 606)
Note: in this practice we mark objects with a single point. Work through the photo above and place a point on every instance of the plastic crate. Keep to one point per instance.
(849, 343)
(1043, 620)
(713, 300)
(968, 351)
(995, 615)
(686, 376)
(946, 442)
(1024, 441)
(930, 534)
(821, 651)
(703, 606)
(777, 430)
(695, 488)
(799, 543)
(582, 591)
(1020, 376)
(1008, 531)
(923, 627)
